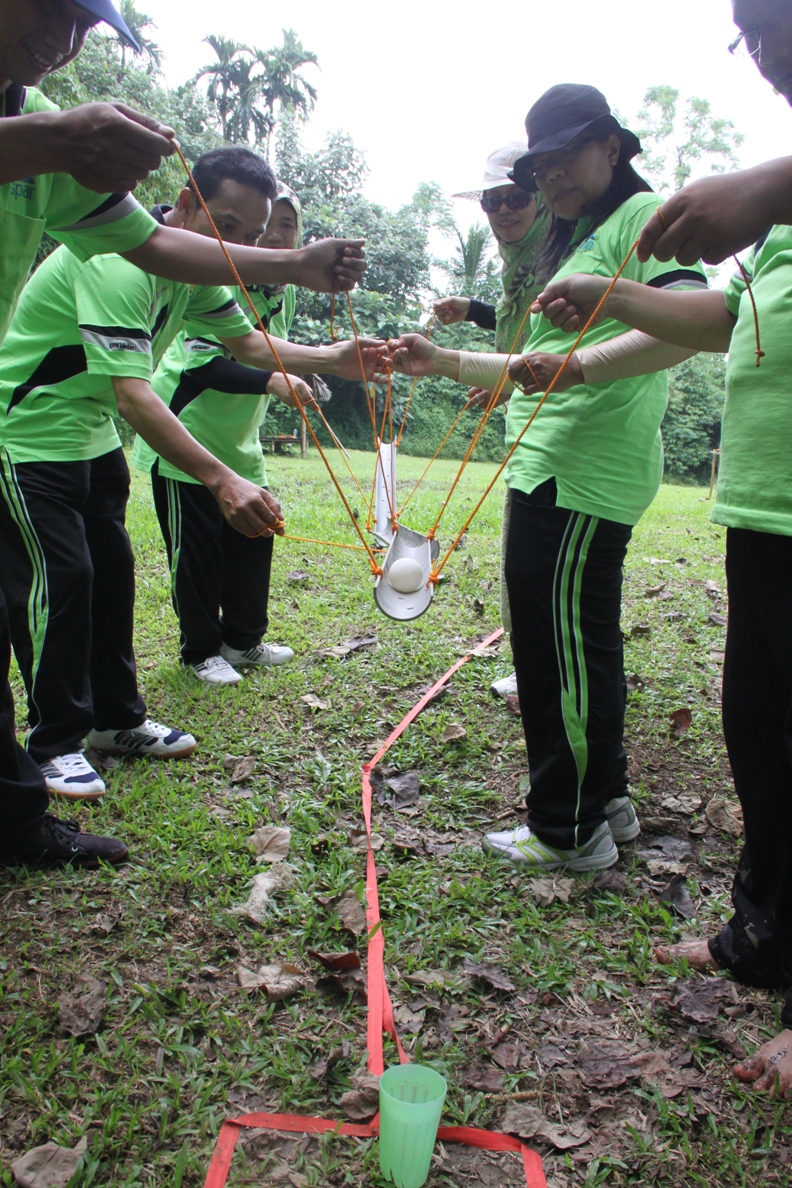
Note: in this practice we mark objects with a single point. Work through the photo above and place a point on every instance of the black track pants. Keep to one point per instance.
(564, 576)
(23, 793)
(756, 944)
(69, 581)
(214, 569)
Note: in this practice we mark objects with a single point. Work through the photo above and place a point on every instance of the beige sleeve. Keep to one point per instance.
(479, 370)
(634, 353)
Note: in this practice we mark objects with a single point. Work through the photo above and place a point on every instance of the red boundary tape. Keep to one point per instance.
(380, 1012)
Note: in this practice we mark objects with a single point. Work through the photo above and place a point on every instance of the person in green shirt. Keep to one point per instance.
(754, 502)
(84, 343)
(519, 224)
(580, 479)
(219, 578)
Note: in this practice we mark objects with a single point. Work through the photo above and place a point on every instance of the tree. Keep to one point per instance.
(680, 140)
(283, 85)
(225, 76)
(138, 23)
(691, 428)
(248, 86)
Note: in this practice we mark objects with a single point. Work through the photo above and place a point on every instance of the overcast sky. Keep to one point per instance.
(427, 90)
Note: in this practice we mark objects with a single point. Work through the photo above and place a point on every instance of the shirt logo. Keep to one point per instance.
(588, 244)
(24, 189)
(119, 344)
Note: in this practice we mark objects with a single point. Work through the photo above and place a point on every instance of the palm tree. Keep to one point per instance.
(472, 260)
(282, 84)
(226, 77)
(138, 22)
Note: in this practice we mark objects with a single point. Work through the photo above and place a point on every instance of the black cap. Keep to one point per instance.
(560, 115)
(107, 13)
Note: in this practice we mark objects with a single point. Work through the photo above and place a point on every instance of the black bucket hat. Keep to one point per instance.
(105, 11)
(560, 115)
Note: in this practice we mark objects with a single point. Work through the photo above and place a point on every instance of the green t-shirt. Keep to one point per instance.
(87, 222)
(755, 481)
(601, 442)
(225, 423)
(78, 324)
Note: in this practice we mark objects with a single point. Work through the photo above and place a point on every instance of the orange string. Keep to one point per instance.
(759, 352)
(333, 335)
(414, 385)
(333, 544)
(375, 569)
(435, 575)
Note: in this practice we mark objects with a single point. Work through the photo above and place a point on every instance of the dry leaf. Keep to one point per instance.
(81, 1011)
(263, 888)
(408, 1021)
(358, 840)
(653, 591)
(606, 1066)
(452, 733)
(271, 843)
(611, 880)
(716, 619)
(485, 1080)
(362, 1101)
(344, 972)
(712, 589)
(351, 913)
(640, 629)
(314, 702)
(680, 721)
(435, 977)
(677, 895)
(243, 770)
(279, 980)
(105, 922)
(685, 802)
(351, 645)
(701, 999)
(405, 790)
(722, 814)
(297, 575)
(635, 683)
(527, 1122)
(49, 1166)
(488, 973)
(544, 892)
(513, 704)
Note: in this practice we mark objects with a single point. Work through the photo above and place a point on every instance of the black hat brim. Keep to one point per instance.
(105, 11)
(522, 173)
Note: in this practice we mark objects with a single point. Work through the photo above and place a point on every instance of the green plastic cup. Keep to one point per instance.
(411, 1102)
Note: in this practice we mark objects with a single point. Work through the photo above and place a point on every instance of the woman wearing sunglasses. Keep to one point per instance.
(519, 223)
(581, 477)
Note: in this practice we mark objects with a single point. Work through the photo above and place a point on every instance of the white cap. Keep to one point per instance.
(496, 171)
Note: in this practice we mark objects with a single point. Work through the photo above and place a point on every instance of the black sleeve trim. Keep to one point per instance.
(219, 375)
(679, 276)
(116, 331)
(482, 313)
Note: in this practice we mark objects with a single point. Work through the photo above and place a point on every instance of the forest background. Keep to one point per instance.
(263, 98)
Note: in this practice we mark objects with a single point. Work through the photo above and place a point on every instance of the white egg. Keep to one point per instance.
(405, 575)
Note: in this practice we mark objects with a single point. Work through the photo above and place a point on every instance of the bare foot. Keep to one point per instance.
(770, 1067)
(695, 952)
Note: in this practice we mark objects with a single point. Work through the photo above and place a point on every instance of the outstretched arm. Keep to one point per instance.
(698, 318)
(715, 217)
(247, 507)
(339, 358)
(327, 265)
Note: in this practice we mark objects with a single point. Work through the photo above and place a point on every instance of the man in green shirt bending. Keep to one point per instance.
(715, 217)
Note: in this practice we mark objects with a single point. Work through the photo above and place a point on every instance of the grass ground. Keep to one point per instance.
(593, 1033)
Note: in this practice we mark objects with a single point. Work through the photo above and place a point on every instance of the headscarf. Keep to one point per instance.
(520, 286)
(285, 194)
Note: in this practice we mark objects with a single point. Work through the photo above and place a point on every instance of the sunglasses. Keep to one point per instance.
(491, 201)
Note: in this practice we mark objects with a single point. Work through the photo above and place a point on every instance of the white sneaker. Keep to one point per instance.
(505, 687)
(149, 738)
(523, 847)
(72, 777)
(216, 671)
(622, 819)
(266, 655)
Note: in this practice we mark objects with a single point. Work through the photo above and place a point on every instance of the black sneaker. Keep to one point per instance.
(54, 840)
